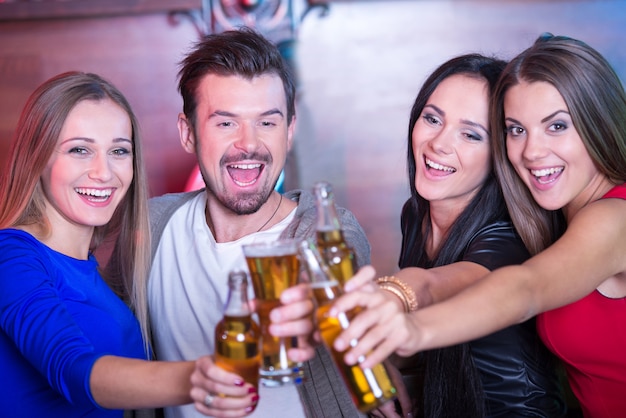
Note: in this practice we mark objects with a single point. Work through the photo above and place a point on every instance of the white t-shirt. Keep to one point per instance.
(187, 291)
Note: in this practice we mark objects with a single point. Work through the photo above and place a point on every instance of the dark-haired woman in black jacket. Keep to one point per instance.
(456, 229)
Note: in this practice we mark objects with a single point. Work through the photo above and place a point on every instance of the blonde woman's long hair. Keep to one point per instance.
(21, 194)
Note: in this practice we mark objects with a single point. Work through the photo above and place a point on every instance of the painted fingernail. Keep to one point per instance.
(249, 409)
(239, 382)
(255, 398)
(252, 390)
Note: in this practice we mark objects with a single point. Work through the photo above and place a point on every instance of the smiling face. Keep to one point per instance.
(545, 148)
(242, 137)
(450, 142)
(91, 168)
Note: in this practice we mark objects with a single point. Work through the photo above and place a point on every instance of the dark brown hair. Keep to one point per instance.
(242, 52)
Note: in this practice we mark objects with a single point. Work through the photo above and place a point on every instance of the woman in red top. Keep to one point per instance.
(559, 132)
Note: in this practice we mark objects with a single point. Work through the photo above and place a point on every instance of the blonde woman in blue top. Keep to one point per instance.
(69, 345)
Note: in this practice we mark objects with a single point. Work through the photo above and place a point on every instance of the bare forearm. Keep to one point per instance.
(482, 309)
(122, 383)
(441, 283)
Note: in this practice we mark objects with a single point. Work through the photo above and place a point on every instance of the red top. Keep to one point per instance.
(590, 337)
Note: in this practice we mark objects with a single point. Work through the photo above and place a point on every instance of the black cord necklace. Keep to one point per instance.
(273, 214)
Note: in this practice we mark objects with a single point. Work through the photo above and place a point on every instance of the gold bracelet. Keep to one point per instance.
(400, 289)
(391, 288)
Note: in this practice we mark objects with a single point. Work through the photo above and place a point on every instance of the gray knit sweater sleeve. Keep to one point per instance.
(161, 210)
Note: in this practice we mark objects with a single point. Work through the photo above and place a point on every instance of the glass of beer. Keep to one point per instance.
(274, 266)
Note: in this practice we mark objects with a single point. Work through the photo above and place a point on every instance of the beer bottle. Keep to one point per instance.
(331, 242)
(237, 334)
(369, 388)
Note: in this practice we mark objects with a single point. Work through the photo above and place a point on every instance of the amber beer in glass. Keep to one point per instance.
(369, 388)
(274, 267)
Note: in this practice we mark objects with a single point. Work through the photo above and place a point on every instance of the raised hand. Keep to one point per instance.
(219, 393)
(379, 329)
(295, 319)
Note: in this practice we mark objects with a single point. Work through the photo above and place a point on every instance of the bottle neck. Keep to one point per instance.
(327, 219)
(237, 302)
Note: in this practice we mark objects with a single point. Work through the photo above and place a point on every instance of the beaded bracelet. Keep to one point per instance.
(402, 290)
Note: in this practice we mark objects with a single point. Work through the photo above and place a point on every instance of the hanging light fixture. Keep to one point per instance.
(249, 5)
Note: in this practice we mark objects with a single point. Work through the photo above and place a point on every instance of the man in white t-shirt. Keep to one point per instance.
(238, 119)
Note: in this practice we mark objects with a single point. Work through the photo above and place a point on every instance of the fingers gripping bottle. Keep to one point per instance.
(237, 334)
(331, 242)
(369, 388)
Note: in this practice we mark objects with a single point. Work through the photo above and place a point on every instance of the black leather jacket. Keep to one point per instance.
(517, 373)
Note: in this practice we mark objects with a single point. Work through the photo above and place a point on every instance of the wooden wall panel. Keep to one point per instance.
(48, 9)
(16, 74)
(138, 52)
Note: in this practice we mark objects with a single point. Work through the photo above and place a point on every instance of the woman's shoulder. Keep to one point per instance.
(18, 237)
(500, 229)
(608, 211)
(16, 244)
(619, 191)
(496, 245)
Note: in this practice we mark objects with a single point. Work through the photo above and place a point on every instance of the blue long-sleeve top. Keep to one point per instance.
(57, 317)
